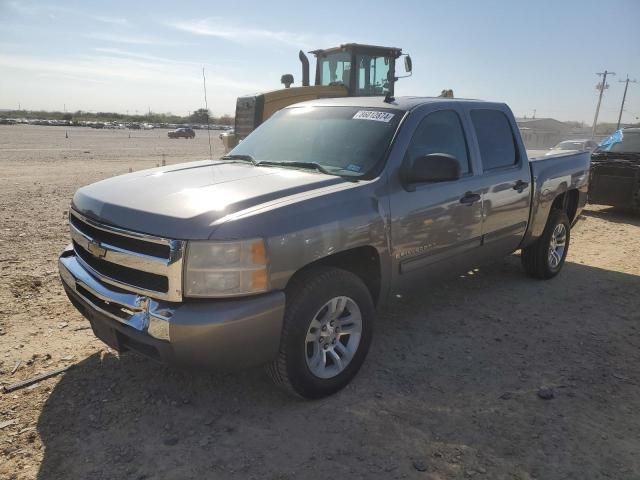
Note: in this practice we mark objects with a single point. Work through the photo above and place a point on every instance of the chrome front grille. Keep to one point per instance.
(132, 261)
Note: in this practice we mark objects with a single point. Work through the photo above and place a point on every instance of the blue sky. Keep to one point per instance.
(135, 55)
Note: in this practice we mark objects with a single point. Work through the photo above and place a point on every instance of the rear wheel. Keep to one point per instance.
(544, 259)
(327, 331)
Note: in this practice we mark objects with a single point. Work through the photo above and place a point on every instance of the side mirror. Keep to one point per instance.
(408, 64)
(435, 167)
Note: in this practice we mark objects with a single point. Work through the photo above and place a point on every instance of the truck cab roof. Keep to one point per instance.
(398, 103)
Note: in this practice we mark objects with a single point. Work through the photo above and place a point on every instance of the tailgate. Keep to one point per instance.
(616, 184)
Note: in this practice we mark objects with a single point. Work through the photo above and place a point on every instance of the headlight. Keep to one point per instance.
(225, 269)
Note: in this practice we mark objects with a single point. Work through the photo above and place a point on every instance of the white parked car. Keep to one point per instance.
(579, 145)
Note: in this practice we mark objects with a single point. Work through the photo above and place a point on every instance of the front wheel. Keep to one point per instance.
(326, 334)
(544, 258)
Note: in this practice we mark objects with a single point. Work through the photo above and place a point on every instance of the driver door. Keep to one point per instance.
(437, 226)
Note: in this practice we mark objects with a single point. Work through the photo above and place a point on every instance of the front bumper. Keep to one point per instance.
(223, 334)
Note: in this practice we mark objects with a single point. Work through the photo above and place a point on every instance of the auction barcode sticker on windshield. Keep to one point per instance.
(373, 115)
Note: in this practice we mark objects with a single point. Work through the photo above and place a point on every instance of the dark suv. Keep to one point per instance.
(185, 132)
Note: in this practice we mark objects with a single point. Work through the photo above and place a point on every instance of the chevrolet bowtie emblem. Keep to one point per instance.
(96, 249)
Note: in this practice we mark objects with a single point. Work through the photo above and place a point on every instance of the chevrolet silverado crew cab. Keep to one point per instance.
(279, 252)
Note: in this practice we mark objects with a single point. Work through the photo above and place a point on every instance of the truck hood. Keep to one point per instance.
(184, 201)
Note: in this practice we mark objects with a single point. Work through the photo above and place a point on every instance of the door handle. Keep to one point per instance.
(470, 198)
(520, 185)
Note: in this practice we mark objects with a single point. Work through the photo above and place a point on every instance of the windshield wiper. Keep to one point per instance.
(306, 165)
(243, 158)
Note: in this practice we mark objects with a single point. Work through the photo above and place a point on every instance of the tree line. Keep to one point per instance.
(198, 116)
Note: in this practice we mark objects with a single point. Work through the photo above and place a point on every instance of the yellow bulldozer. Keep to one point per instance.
(350, 70)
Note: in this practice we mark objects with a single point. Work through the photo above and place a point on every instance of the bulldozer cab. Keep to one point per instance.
(365, 70)
(350, 70)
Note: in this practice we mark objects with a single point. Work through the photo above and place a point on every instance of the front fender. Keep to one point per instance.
(303, 229)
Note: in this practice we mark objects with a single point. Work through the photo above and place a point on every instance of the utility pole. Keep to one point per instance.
(601, 86)
(624, 97)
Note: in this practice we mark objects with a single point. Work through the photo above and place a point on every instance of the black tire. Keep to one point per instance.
(305, 297)
(535, 258)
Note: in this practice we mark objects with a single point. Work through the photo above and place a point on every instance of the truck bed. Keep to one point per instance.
(553, 176)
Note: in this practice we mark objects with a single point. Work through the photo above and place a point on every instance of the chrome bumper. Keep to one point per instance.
(216, 333)
(138, 312)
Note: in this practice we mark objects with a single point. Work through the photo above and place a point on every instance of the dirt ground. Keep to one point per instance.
(449, 391)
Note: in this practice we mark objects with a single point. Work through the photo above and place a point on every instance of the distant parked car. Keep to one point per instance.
(579, 145)
(184, 132)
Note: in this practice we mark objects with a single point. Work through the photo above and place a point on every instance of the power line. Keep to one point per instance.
(624, 97)
(600, 86)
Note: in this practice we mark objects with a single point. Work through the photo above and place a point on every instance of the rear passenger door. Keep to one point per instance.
(507, 178)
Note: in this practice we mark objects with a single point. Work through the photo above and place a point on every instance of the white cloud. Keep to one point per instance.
(23, 8)
(54, 77)
(31, 9)
(227, 30)
(123, 22)
(129, 69)
(217, 66)
(130, 39)
(116, 83)
(100, 67)
(129, 54)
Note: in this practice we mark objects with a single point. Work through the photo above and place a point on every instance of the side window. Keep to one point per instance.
(440, 132)
(373, 73)
(495, 139)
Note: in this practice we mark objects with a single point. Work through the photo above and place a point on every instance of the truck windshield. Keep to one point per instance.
(346, 141)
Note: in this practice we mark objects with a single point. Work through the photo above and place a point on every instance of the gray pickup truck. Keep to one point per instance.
(279, 252)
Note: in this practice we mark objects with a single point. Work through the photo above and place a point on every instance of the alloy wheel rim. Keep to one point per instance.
(557, 246)
(333, 337)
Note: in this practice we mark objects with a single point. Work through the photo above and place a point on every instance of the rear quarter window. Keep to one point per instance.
(495, 139)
